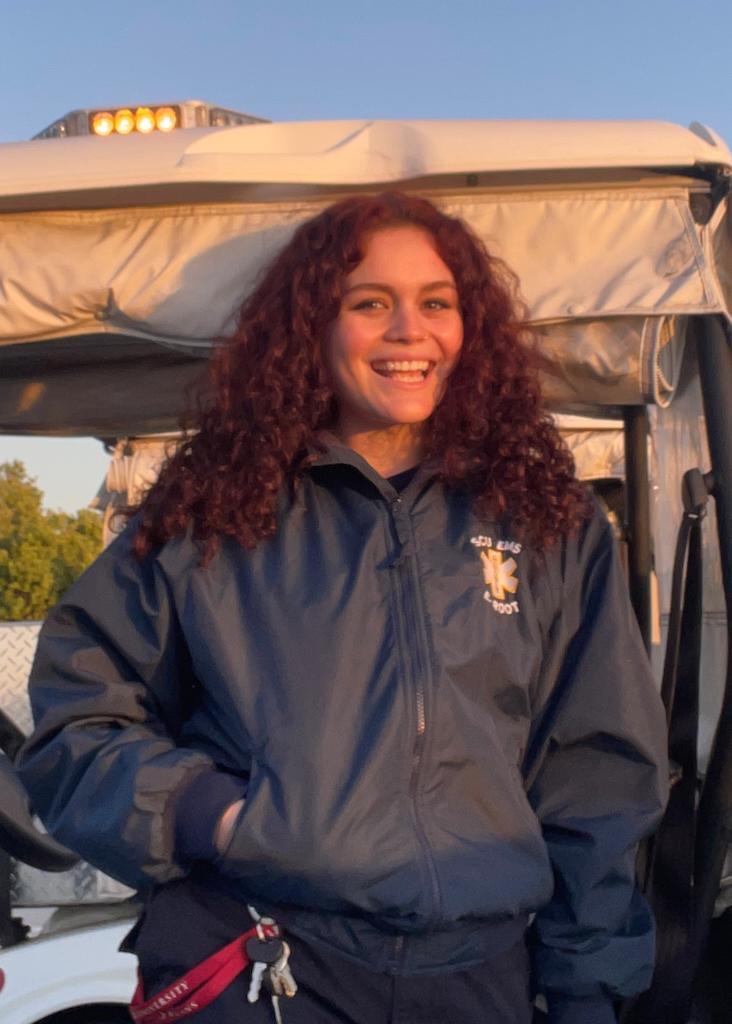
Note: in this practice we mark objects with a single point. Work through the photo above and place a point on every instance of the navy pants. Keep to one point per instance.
(185, 923)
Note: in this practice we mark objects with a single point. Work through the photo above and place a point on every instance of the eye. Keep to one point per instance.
(368, 304)
(437, 304)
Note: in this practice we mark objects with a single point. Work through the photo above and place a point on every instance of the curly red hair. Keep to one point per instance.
(268, 395)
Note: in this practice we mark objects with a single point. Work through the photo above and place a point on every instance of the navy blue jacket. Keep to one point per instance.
(441, 731)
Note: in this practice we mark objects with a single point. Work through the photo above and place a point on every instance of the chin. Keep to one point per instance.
(405, 416)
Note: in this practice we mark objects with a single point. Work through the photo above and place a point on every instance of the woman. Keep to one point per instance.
(365, 660)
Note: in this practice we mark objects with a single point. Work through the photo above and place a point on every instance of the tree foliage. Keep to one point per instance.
(41, 551)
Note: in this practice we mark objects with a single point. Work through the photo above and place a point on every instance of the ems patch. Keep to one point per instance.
(499, 572)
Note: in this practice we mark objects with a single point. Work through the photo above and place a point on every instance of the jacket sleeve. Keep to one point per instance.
(110, 687)
(597, 779)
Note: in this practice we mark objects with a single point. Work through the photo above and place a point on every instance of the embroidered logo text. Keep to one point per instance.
(499, 568)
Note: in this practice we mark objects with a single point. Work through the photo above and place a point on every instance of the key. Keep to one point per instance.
(263, 954)
(287, 984)
(264, 951)
(276, 1009)
(279, 976)
(255, 983)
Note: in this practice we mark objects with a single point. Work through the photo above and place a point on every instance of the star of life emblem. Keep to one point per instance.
(499, 572)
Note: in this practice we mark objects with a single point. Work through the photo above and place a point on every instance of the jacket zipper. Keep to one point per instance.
(419, 740)
(418, 663)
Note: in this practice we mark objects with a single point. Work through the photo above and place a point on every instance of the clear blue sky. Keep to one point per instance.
(290, 60)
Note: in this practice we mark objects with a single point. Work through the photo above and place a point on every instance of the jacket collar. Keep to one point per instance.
(338, 454)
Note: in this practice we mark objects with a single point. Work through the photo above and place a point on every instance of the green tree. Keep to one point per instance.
(41, 551)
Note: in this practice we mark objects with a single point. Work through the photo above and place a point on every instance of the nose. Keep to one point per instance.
(406, 324)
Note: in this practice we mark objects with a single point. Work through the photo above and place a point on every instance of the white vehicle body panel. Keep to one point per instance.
(70, 969)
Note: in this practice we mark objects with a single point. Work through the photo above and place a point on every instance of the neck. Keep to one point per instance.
(388, 451)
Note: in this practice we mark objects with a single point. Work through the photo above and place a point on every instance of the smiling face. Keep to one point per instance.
(397, 335)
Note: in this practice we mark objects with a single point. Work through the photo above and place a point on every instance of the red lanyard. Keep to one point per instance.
(201, 985)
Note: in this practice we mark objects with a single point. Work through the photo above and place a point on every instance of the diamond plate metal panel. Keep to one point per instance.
(83, 884)
(30, 887)
(17, 648)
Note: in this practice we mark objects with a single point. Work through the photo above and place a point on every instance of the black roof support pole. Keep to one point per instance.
(12, 929)
(638, 516)
(714, 828)
(7, 936)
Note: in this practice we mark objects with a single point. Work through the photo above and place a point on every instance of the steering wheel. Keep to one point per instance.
(18, 834)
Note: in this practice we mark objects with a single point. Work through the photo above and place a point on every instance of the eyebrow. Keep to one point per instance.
(377, 286)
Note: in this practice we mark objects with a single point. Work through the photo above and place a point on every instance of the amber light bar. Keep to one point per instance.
(125, 120)
(147, 120)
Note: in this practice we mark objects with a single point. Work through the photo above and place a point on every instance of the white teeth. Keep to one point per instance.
(404, 365)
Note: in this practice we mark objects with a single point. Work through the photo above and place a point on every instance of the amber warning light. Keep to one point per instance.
(126, 120)
(108, 121)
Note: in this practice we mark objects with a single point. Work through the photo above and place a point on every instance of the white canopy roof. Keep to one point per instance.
(122, 259)
(350, 153)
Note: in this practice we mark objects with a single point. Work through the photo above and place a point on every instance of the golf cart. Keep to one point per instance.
(125, 255)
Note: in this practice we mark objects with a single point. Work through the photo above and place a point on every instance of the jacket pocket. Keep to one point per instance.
(248, 827)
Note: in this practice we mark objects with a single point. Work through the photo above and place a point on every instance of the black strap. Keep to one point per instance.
(666, 865)
(11, 738)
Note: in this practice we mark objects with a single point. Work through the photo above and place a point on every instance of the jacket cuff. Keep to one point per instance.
(199, 806)
(564, 1009)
